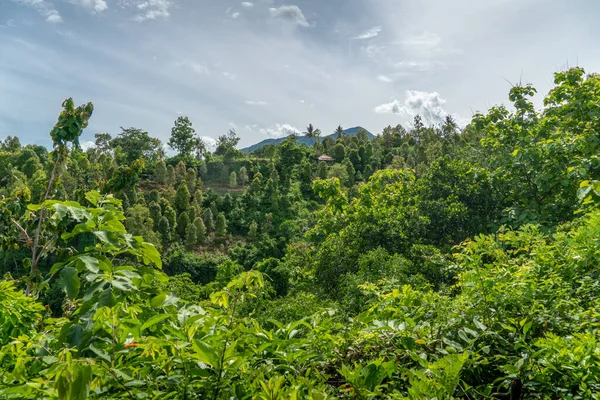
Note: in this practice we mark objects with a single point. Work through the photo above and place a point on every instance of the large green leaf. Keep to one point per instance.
(150, 254)
(154, 320)
(79, 228)
(69, 281)
(107, 237)
(90, 263)
(206, 353)
(82, 379)
(100, 353)
(93, 197)
(158, 300)
(107, 298)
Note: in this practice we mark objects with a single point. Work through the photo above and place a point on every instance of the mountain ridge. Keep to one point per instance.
(304, 140)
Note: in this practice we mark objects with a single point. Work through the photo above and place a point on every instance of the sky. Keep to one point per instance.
(268, 68)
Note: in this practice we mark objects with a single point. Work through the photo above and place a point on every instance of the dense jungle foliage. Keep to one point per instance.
(429, 263)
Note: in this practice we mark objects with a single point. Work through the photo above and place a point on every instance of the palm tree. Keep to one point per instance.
(340, 132)
(310, 130)
(449, 127)
(312, 133)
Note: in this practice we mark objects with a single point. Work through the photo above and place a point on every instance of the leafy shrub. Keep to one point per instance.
(202, 269)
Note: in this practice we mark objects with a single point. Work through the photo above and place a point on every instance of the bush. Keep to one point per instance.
(202, 269)
(276, 274)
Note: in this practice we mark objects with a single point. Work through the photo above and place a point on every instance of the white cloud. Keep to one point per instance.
(100, 5)
(428, 105)
(229, 75)
(384, 78)
(368, 34)
(290, 13)
(247, 4)
(193, 66)
(88, 144)
(235, 15)
(210, 142)
(43, 7)
(251, 128)
(54, 17)
(96, 5)
(153, 9)
(393, 107)
(256, 103)
(130, 89)
(280, 130)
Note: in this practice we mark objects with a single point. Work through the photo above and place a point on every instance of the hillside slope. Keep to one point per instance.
(304, 140)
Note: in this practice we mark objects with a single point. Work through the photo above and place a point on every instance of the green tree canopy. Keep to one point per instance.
(137, 144)
(182, 198)
(227, 142)
(221, 226)
(183, 137)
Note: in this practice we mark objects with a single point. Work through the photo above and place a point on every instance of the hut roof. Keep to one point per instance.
(325, 158)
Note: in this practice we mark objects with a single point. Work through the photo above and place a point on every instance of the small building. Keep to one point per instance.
(325, 158)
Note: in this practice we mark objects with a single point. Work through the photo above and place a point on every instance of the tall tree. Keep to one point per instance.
(200, 230)
(136, 144)
(190, 237)
(190, 179)
(182, 223)
(11, 144)
(208, 220)
(200, 148)
(155, 213)
(221, 226)
(243, 178)
(191, 212)
(339, 152)
(160, 172)
(339, 132)
(313, 133)
(102, 143)
(449, 127)
(183, 137)
(418, 128)
(164, 229)
(182, 198)
(171, 216)
(170, 175)
(322, 170)
(180, 173)
(227, 142)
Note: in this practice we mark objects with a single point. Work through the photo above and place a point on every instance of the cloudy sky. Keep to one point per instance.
(270, 67)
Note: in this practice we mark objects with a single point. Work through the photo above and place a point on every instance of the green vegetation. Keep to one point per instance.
(430, 263)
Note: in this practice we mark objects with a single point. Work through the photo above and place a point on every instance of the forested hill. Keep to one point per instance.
(309, 141)
(429, 263)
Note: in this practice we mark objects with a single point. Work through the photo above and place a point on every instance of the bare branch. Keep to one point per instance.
(27, 237)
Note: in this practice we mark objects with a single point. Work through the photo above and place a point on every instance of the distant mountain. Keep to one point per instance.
(305, 140)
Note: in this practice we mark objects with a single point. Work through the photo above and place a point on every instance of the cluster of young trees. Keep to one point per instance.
(425, 263)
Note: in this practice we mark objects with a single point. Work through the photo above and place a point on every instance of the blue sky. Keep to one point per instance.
(271, 67)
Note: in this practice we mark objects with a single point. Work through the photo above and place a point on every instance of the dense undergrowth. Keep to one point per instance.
(433, 263)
